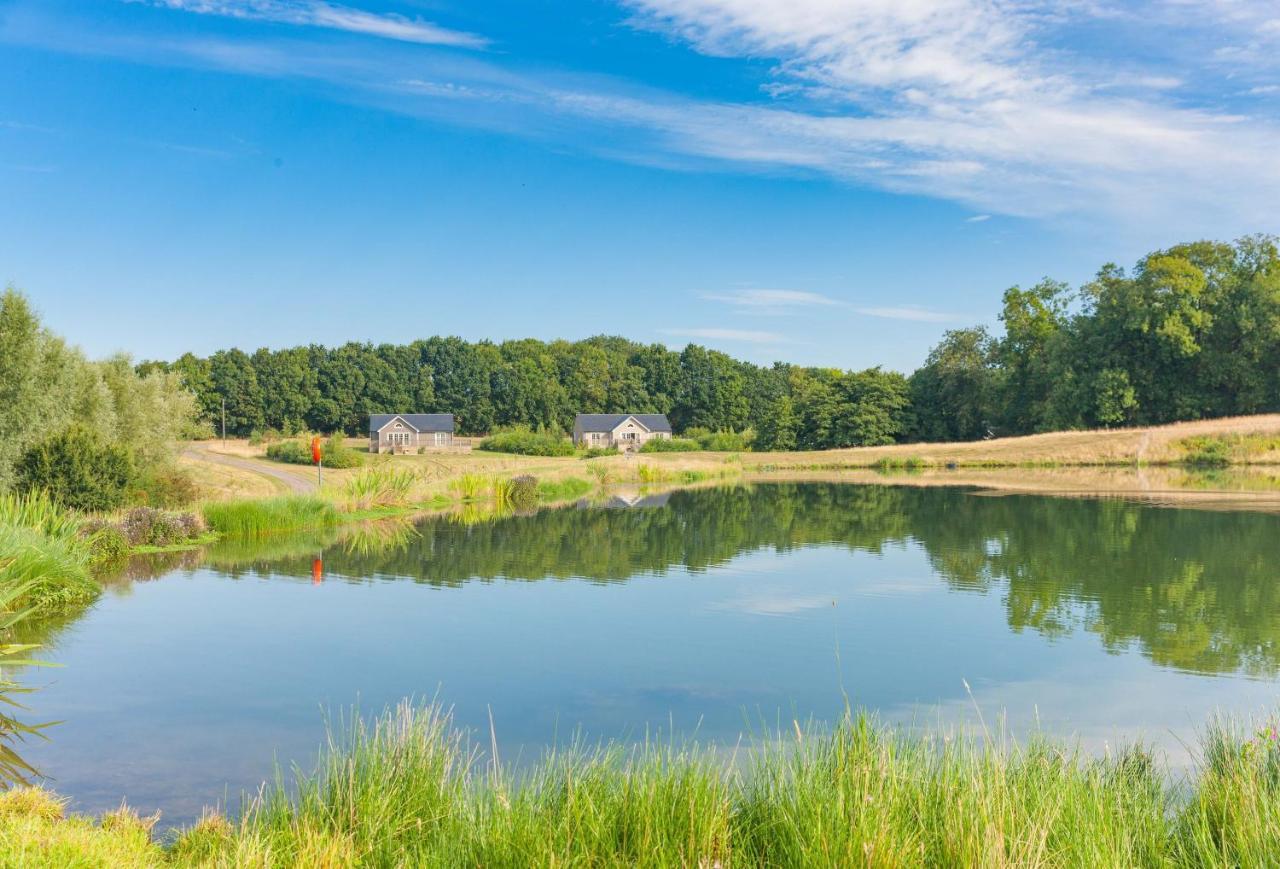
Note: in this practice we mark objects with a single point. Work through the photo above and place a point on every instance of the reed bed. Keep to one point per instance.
(409, 789)
(269, 516)
(380, 486)
(42, 553)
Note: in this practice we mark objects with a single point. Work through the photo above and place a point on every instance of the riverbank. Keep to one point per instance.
(410, 789)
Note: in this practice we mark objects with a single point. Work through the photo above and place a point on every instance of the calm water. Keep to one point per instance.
(709, 612)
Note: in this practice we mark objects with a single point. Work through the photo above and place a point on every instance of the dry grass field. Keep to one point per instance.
(1137, 463)
(1121, 446)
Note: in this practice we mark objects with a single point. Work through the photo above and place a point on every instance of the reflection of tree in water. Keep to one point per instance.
(1191, 589)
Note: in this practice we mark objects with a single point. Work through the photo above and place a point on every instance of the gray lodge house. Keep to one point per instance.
(621, 431)
(409, 432)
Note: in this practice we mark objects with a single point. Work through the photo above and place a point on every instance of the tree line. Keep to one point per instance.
(1190, 332)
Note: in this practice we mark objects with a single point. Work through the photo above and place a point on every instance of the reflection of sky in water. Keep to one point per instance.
(183, 691)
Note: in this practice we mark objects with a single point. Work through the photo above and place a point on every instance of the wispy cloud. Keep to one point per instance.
(316, 13)
(910, 312)
(749, 336)
(782, 301)
(961, 99)
(773, 299)
(978, 218)
(954, 99)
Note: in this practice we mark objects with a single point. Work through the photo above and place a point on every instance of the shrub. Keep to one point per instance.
(518, 493)
(522, 441)
(147, 526)
(1206, 452)
(597, 452)
(334, 452)
(295, 452)
(78, 469)
(166, 487)
(337, 454)
(670, 445)
(107, 545)
(724, 442)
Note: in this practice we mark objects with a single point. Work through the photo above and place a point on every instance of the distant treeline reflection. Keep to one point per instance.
(1191, 589)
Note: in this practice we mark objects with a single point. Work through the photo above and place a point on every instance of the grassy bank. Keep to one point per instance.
(269, 516)
(410, 790)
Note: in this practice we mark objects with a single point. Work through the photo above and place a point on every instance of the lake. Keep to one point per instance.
(707, 613)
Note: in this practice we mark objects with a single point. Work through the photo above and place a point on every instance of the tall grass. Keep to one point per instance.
(42, 553)
(563, 489)
(380, 486)
(409, 789)
(469, 487)
(268, 516)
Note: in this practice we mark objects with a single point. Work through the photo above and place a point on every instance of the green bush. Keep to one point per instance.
(670, 445)
(334, 452)
(79, 470)
(166, 487)
(522, 492)
(107, 545)
(524, 442)
(723, 441)
(1207, 452)
(294, 452)
(597, 452)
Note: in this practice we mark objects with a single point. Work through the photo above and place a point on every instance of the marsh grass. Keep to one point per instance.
(42, 553)
(469, 487)
(563, 489)
(380, 486)
(410, 789)
(268, 516)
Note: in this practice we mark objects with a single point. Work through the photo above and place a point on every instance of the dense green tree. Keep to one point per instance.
(777, 427)
(953, 394)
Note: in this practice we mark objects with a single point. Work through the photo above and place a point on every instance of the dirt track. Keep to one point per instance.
(294, 482)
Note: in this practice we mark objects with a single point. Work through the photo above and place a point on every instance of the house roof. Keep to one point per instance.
(610, 421)
(419, 422)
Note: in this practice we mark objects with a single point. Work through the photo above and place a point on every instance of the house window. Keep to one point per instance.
(597, 437)
(630, 436)
(398, 438)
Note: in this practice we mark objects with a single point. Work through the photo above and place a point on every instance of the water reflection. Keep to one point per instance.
(1191, 589)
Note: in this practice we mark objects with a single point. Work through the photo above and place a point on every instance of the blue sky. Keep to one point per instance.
(824, 181)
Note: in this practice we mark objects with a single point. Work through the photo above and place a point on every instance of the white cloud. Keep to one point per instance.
(749, 336)
(773, 299)
(961, 99)
(777, 301)
(316, 13)
(979, 102)
(909, 312)
(978, 218)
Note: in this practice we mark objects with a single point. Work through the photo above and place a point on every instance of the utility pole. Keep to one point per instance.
(224, 422)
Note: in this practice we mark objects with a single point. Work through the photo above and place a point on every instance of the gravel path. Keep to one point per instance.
(294, 482)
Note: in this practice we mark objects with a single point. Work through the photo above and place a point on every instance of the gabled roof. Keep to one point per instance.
(610, 421)
(419, 422)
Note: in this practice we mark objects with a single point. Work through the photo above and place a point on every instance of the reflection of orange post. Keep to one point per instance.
(317, 571)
